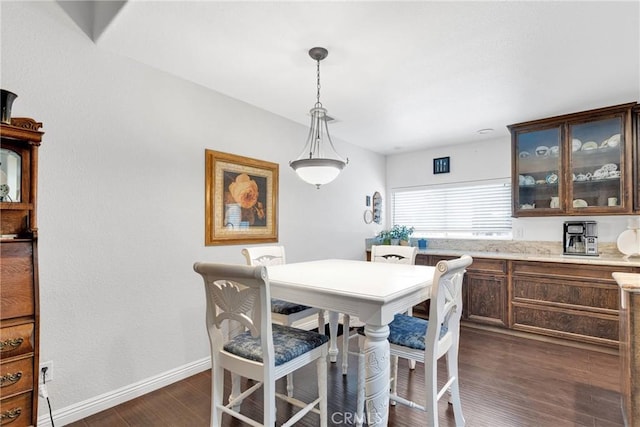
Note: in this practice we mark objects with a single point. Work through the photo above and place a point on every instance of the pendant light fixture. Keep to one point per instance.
(319, 163)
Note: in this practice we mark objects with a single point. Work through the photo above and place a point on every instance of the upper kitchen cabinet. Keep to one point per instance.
(576, 164)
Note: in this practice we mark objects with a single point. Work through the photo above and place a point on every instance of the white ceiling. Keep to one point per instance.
(400, 75)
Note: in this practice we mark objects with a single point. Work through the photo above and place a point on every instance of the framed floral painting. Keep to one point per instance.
(241, 199)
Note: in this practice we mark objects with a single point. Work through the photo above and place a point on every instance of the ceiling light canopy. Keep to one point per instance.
(319, 163)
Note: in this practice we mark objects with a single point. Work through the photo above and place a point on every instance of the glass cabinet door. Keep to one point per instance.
(596, 164)
(538, 166)
(10, 175)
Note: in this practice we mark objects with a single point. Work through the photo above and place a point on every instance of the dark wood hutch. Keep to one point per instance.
(19, 302)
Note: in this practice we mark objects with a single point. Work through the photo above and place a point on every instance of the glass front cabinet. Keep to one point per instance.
(577, 164)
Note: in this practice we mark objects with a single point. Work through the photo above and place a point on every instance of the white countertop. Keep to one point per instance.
(629, 282)
(572, 259)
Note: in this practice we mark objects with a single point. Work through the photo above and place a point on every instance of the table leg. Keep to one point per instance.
(333, 335)
(376, 385)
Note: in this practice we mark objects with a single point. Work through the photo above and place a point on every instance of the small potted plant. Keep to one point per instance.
(399, 234)
(402, 233)
(384, 237)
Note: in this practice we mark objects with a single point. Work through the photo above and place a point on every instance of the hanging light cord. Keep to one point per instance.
(318, 103)
(314, 147)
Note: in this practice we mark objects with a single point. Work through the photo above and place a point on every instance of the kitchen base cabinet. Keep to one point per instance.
(578, 302)
(484, 290)
(571, 301)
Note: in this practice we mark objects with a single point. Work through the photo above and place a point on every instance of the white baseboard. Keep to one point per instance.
(108, 400)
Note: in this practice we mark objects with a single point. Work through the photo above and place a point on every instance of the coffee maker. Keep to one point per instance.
(580, 238)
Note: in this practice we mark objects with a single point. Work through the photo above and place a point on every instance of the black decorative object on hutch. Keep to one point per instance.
(19, 304)
(576, 164)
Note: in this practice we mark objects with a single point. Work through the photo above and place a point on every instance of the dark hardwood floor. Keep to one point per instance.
(504, 380)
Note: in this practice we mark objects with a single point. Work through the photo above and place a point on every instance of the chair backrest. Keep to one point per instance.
(394, 253)
(264, 255)
(237, 293)
(446, 306)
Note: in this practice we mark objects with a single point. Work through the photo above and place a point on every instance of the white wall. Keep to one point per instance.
(121, 207)
(479, 160)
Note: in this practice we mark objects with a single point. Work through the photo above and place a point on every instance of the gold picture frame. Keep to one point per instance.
(241, 199)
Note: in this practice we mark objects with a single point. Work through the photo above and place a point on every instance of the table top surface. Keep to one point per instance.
(373, 281)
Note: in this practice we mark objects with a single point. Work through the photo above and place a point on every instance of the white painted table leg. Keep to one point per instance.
(333, 336)
(376, 385)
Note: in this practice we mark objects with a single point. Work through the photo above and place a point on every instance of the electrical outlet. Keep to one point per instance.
(48, 375)
(519, 232)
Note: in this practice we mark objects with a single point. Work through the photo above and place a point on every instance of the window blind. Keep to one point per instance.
(463, 210)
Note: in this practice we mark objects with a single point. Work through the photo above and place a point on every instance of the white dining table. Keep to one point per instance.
(374, 292)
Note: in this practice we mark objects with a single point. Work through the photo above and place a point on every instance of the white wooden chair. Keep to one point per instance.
(379, 253)
(282, 312)
(260, 350)
(427, 341)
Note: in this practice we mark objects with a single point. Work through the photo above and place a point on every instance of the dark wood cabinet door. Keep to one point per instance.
(486, 299)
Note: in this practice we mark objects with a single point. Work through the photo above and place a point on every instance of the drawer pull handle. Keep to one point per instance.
(11, 344)
(10, 379)
(10, 416)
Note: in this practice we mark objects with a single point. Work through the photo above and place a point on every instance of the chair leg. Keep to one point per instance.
(394, 378)
(269, 399)
(322, 389)
(290, 385)
(217, 392)
(346, 320)
(235, 390)
(431, 383)
(360, 389)
(454, 390)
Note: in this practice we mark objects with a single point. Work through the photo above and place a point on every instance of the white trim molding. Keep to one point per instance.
(108, 400)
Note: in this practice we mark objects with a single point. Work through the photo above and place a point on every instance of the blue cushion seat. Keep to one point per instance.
(288, 343)
(284, 307)
(408, 331)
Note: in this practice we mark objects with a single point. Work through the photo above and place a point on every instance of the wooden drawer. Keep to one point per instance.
(16, 377)
(559, 270)
(487, 265)
(14, 221)
(16, 411)
(16, 340)
(16, 275)
(582, 295)
(571, 324)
